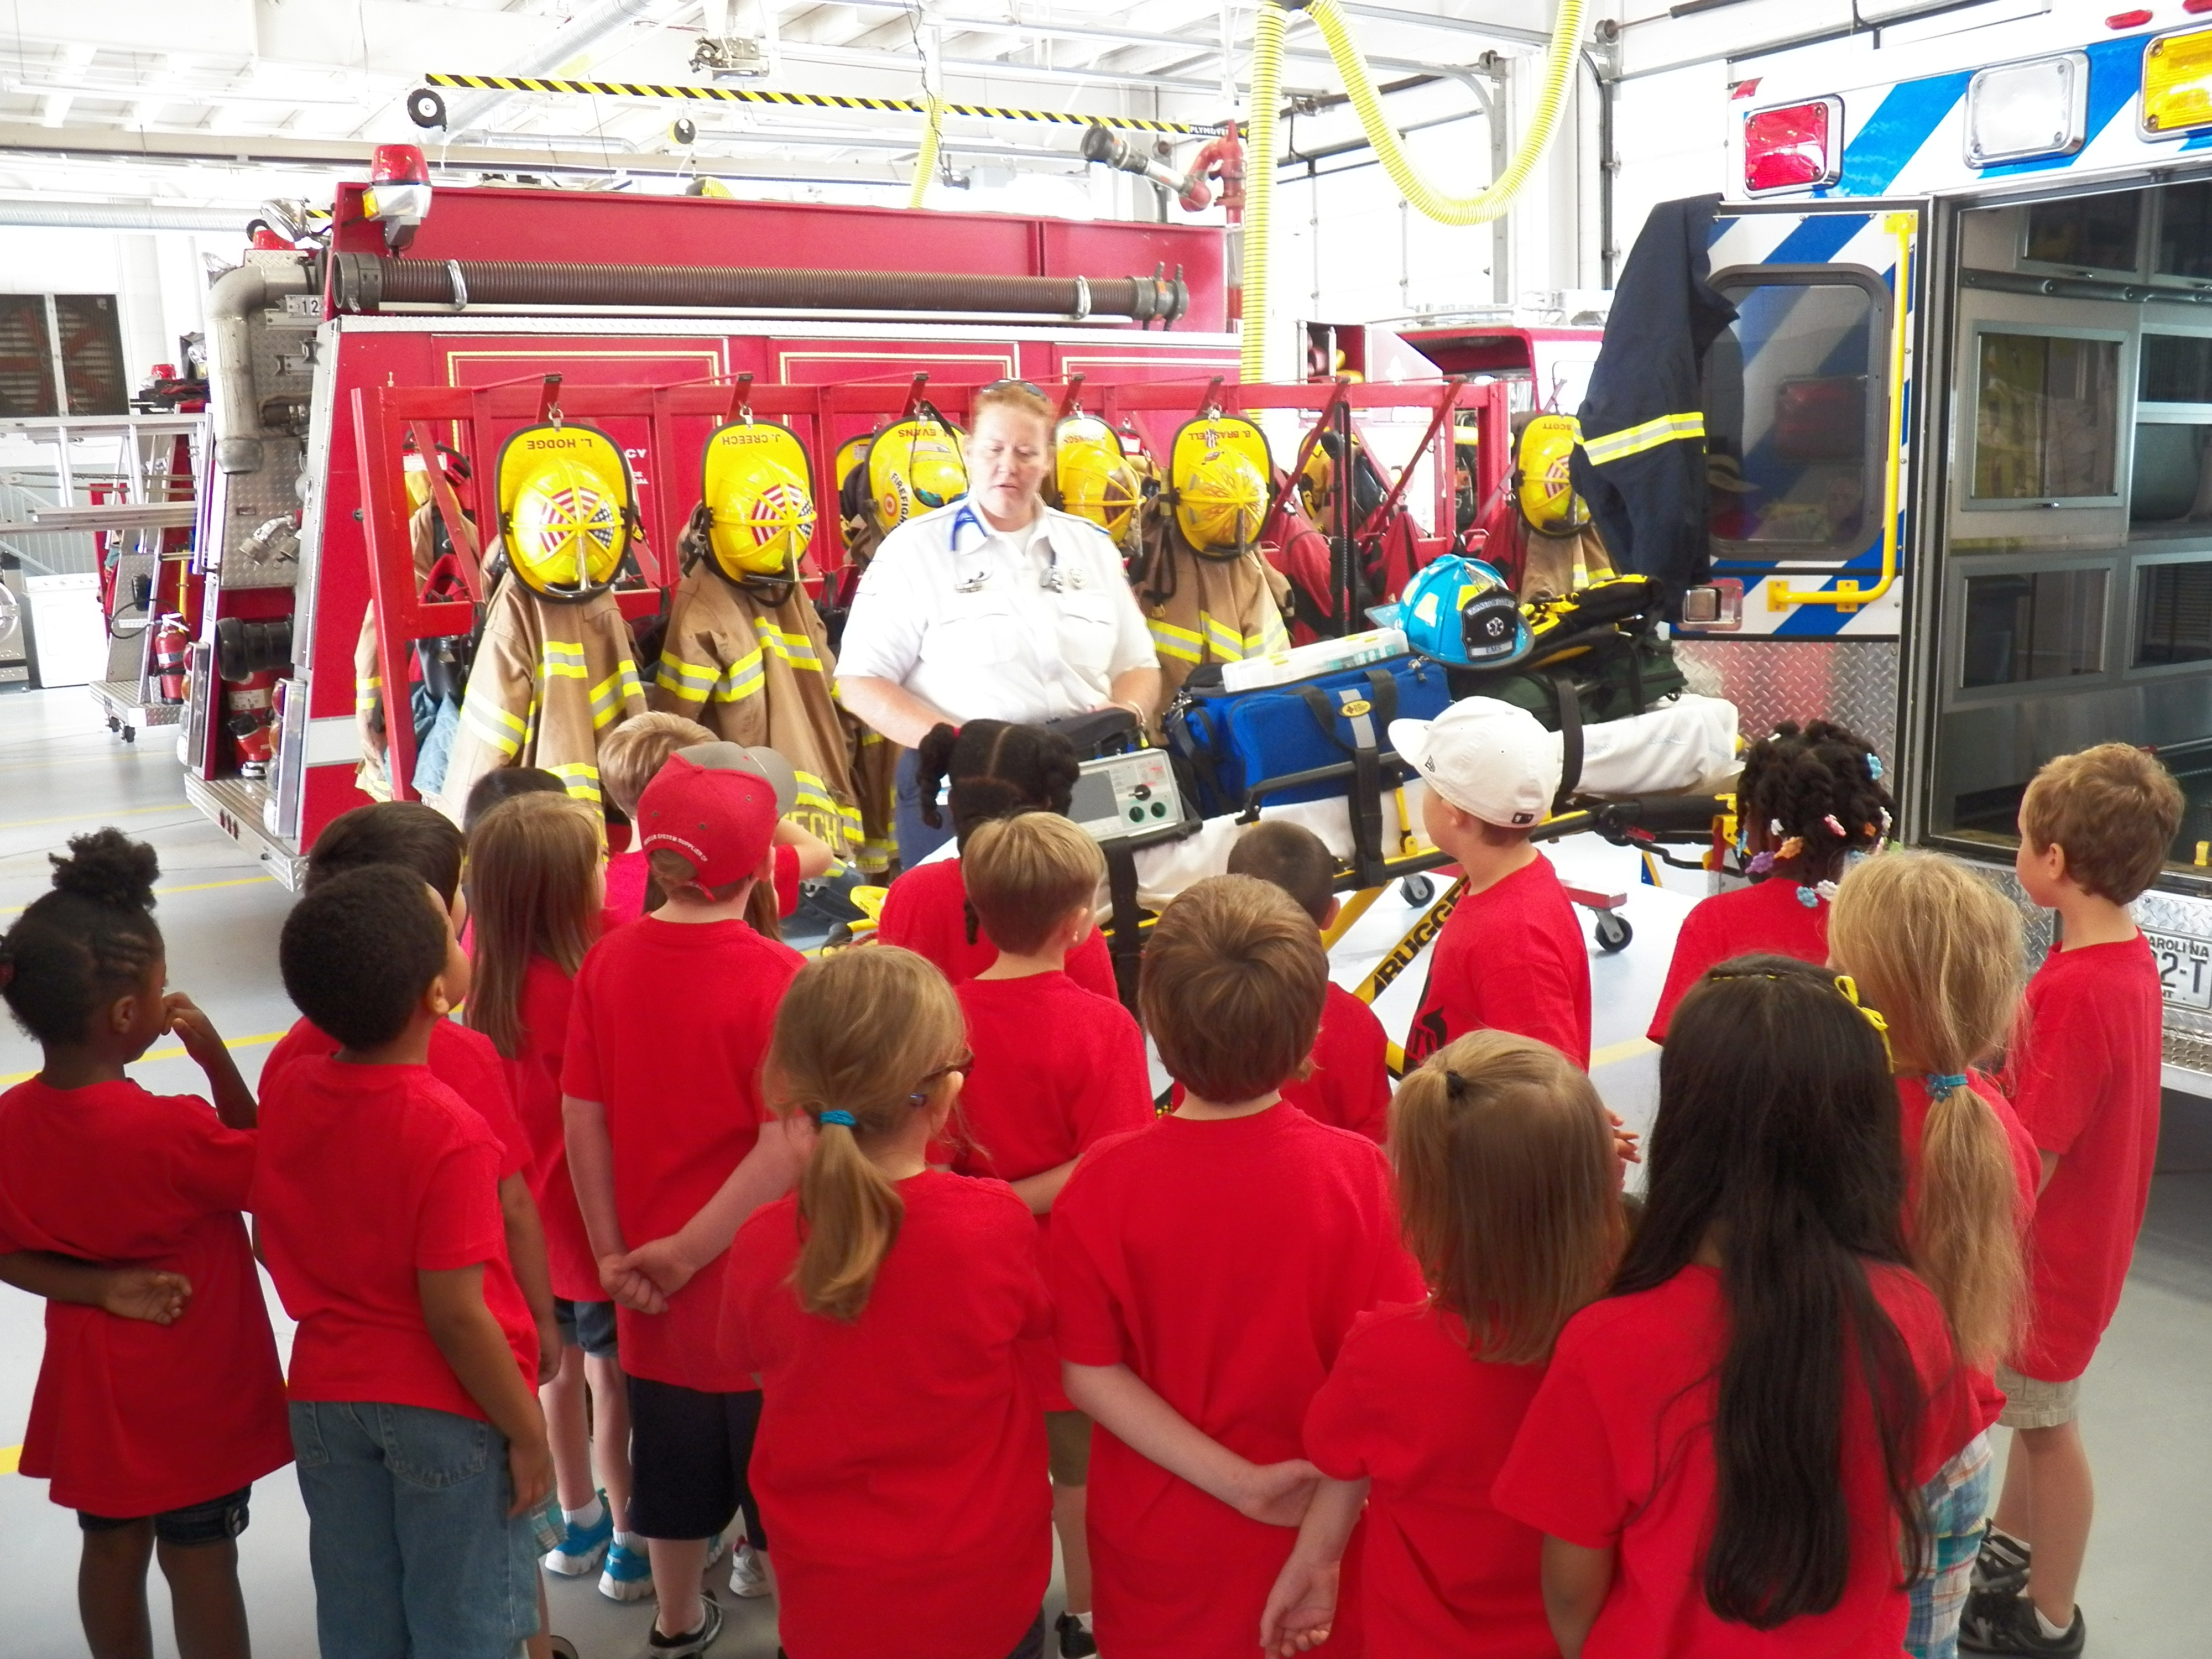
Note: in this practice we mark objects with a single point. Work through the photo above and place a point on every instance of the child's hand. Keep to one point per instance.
(1624, 1140)
(1302, 1606)
(181, 1015)
(530, 1466)
(1276, 1494)
(549, 1351)
(660, 1262)
(632, 1289)
(159, 1298)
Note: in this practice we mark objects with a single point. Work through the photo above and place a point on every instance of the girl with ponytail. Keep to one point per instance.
(1939, 951)
(881, 1305)
(152, 1428)
(1726, 1453)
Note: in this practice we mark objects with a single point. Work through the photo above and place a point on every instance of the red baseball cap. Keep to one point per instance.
(716, 804)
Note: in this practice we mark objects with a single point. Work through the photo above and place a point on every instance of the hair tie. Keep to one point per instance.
(839, 1116)
(1760, 864)
(1811, 896)
(1834, 827)
(1774, 827)
(1792, 847)
(1940, 1083)
(1874, 766)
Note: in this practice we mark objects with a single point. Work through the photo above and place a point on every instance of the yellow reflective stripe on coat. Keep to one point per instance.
(555, 657)
(1226, 642)
(1635, 440)
(794, 648)
(1183, 644)
(611, 694)
(692, 682)
(482, 714)
(581, 778)
(744, 678)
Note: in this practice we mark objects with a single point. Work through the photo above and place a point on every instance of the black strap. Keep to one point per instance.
(1125, 939)
(1568, 699)
(1366, 800)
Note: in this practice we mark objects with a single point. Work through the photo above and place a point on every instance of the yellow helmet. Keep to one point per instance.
(1542, 482)
(1219, 468)
(565, 508)
(915, 467)
(1315, 481)
(1095, 477)
(754, 481)
(416, 471)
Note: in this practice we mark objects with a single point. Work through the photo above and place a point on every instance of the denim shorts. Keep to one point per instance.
(216, 1521)
(587, 1325)
(1956, 1502)
(408, 1533)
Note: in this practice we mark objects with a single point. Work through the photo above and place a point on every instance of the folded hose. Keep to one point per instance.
(925, 165)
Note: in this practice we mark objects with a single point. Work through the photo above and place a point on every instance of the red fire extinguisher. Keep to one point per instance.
(172, 644)
(251, 657)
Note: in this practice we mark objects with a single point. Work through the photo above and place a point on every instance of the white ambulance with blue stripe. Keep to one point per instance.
(1959, 439)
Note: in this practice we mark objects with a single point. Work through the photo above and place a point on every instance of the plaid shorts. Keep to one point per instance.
(1955, 1504)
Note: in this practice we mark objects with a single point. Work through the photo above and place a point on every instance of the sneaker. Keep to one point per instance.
(2001, 1563)
(629, 1575)
(693, 1643)
(715, 1546)
(580, 1548)
(1075, 1642)
(748, 1573)
(2000, 1624)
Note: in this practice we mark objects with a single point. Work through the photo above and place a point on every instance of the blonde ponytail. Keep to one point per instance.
(861, 1039)
(1938, 951)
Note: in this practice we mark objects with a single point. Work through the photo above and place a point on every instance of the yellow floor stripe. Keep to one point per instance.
(10, 1458)
(1614, 1053)
(189, 887)
(171, 1051)
(100, 817)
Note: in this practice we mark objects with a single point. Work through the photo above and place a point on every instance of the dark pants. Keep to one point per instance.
(689, 1453)
(916, 839)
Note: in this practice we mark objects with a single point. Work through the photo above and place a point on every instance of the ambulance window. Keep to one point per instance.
(2185, 231)
(2039, 625)
(2173, 613)
(2091, 233)
(1792, 406)
(2046, 418)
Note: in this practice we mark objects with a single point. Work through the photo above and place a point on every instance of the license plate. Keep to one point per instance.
(2185, 968)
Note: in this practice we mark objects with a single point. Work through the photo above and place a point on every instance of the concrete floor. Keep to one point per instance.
(62, 773)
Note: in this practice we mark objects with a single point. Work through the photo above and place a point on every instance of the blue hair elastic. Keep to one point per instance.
(1874, 766)
(1809, 897)
(845, 1118)
(1940, 1083)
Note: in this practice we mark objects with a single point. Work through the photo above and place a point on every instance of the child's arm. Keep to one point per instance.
(1038, 1191)
(1273, 1493)
(2049, 1168)
(525, 1254)
(1576, 1579)
(234, 1101)
(815, 858)
(592, 1172)
(127, 1293)
(1303, 1605)
(763, 1176)
(475, 1346)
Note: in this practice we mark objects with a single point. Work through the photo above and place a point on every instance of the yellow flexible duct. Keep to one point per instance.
(925, 165)
(1260, 184)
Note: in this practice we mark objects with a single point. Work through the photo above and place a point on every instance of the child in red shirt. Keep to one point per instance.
(1057, 1069)
(152, 1425)
(1806, 802)
(1350, 1085)
(1937, 949)
(1511, 1192)
(1206, 1270)
(2095, 828)
(670, 1148)
(377, 1200)
(534, 894)
(1767, 1278)
(989, 769)
(1511, 957)
(901, 1461)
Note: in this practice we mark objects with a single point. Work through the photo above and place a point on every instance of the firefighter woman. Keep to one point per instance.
(993, 606)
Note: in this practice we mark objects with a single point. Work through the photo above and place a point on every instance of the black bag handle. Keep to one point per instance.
(1125, 939)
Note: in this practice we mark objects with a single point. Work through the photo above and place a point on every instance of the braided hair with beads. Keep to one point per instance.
(88, 941)
(1810, 797)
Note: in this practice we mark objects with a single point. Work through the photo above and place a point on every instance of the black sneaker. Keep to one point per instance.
(1075, 1642)
(2001, 1563)
(2001, 1623)
(691, 1644)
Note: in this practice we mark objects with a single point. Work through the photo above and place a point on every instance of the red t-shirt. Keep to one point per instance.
(925, 911)
(1767, 918)
(368, 1174)
(130, 1418)
(1223, 1262)
(1408, 1408)
(1616, 1452)
(465, 1061)
(629, 873)
(1350, 1086)
(901, 1462)
(1058, 1068)
(2086, 1074)
(668, 1027)
(534, 1078)
(1510, 958)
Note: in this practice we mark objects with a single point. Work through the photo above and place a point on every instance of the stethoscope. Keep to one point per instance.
(967, 516)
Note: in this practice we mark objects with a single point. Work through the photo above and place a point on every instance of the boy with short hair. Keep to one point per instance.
(1206, 1270)
(672, 1146)
(1057, 1069)
(1511, 957)
(2095, 831)
(375, 1196)
(1351, 1083)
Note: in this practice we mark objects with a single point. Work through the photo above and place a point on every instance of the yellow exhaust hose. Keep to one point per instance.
(925, 164)
(1260, 184)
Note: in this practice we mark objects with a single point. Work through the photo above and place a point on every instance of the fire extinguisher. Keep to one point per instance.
(172, 644)
(251, 657)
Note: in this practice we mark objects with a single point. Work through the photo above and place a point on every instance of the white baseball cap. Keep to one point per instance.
(1487, 758)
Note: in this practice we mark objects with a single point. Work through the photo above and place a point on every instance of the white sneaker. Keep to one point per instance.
(748, 1573)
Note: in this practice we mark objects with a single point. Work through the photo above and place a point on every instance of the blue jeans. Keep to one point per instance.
(408, 1534)
(916, 839)
(1955, 1503)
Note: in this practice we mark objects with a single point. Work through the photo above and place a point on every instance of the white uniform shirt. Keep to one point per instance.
(960, 615)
